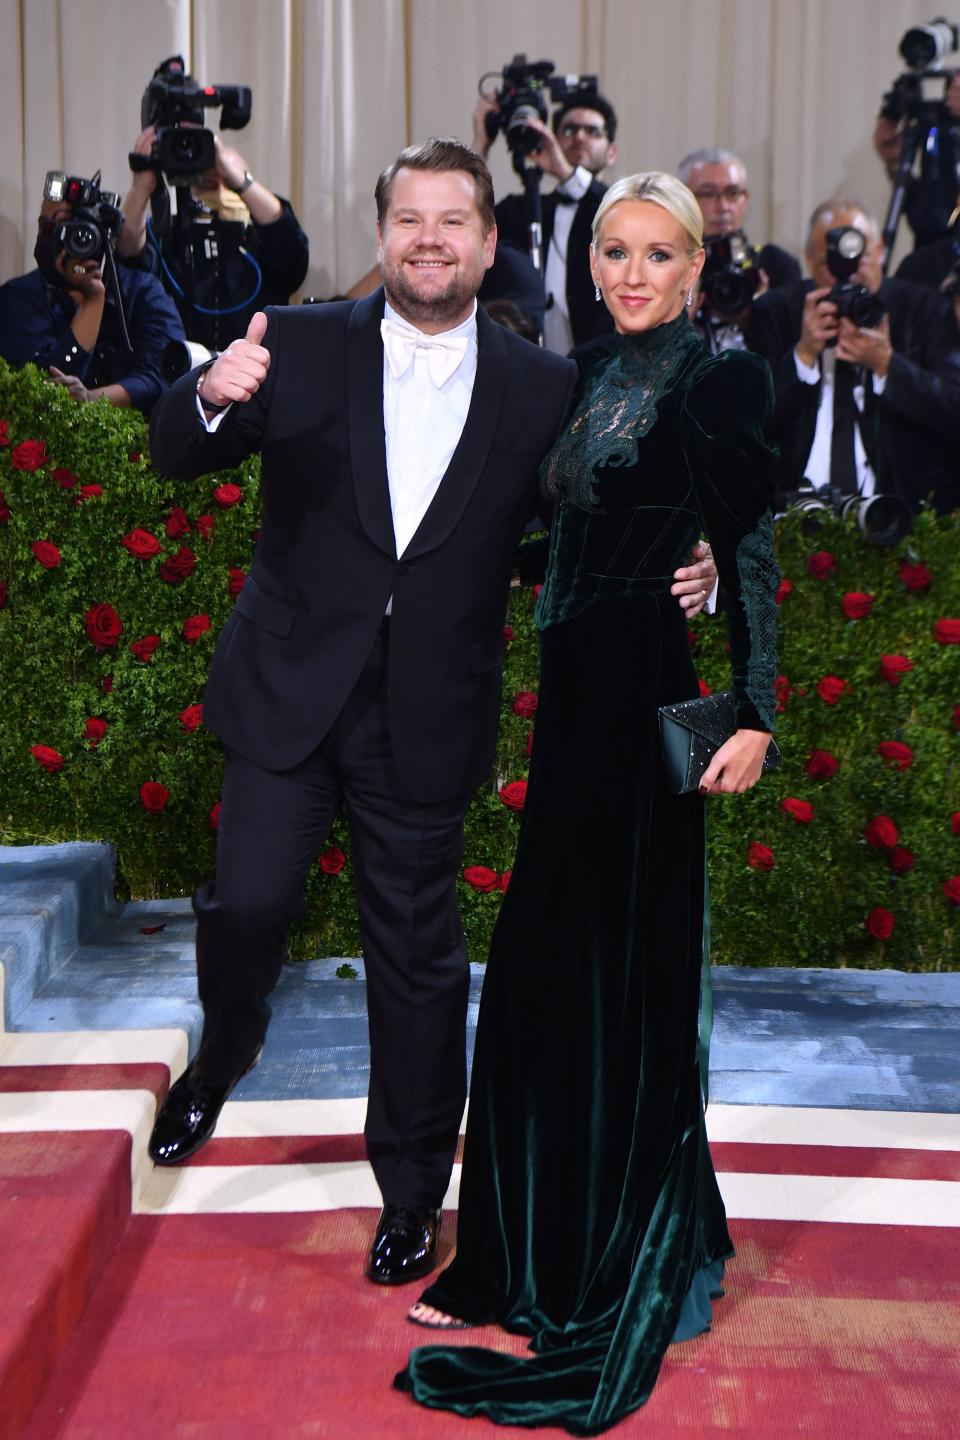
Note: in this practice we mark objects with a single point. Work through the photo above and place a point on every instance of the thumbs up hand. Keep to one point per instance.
(239, 372)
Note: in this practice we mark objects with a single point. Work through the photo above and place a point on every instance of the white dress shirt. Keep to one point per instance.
(557, 334)
(817, 468)
(422, 424)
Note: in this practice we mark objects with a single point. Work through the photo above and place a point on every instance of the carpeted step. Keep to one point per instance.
(64, 1207)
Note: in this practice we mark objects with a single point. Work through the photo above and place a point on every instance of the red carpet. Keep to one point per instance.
(260, 1327)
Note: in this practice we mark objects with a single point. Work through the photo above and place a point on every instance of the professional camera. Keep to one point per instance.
(854, 302)
(881, 519)
(731, 272)
(174, 103)
(522, 97)
(96, 217)
(917, 103)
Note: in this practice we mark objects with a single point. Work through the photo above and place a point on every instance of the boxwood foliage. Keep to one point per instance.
(849, 855)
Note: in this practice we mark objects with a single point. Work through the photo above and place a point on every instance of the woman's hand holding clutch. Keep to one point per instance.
(737, 765)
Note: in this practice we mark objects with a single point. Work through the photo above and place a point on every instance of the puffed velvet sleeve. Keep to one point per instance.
(731, 467)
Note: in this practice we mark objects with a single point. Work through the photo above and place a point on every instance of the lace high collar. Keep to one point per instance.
(658, 345)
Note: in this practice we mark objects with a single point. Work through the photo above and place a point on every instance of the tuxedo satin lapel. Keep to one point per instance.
(368, 454)
(467, 462)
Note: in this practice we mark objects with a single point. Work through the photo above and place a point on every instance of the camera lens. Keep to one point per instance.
(185, 147)
(81, 240)
(881, 519)
(730, 291)
(863, 308)
(521, 138)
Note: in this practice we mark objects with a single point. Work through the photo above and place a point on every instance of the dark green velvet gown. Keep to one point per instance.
(590, 1217)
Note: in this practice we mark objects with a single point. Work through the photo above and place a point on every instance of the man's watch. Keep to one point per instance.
(244, 185)
(207, 405)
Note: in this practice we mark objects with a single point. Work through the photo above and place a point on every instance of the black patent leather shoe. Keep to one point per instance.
(405, 1246)
(188, 1115)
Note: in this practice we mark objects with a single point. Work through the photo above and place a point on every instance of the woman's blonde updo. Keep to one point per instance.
(661, 189)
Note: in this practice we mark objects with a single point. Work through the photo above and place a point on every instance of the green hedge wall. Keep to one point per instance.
(849, 855)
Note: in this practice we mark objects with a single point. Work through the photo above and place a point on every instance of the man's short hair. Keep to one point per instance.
(709, 155)
(439, 155)
(840, 202)
(587, 100)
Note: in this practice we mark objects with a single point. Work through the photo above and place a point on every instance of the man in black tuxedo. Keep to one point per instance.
(400, 438)
(576, 152)
(862, 409)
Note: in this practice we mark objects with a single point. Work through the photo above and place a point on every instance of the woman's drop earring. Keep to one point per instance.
(689, 297)
(597, 292)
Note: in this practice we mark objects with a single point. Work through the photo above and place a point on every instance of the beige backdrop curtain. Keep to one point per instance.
(339, 86)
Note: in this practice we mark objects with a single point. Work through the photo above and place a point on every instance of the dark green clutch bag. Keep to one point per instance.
(692, 733)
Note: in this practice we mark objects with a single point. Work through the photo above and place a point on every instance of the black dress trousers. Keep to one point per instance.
(406, 858)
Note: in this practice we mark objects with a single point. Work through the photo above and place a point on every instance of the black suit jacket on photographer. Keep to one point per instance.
(282, 254)
(587, 318)
(910, 430)
(326, 561)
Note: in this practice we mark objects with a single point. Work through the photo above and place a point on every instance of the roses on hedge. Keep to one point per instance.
(332, 860)
(879, 923)
(821, 564)
(194, 626)
(800, 810)
(893, 667)
(29, 455)
(177, 568)
(830, 688)
(900, 755)
(760, 857)
(103, 626)
(482, 878)
(154, 796)
(142, 544)
(857, 605)
(946, 631)
(46, 554)
(50, 759)
(144, 649)
(880, 833)
(94, 730)
(821, 765)
(514, 794)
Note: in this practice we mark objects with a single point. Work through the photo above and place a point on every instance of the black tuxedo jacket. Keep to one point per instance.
(910, 431)
(326, 563)
(587, 317)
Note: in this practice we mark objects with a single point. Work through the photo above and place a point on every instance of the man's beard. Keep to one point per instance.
(449, 304)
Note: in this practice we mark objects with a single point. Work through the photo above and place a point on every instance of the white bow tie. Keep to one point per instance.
(444, 353)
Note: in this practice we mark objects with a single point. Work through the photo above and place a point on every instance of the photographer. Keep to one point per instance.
(65, 318)
(231, 246)
(735, 272)
(866, 371)
(575, 152)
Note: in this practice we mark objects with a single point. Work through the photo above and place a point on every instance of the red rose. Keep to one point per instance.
(704, 688)
(106, 684)
(134, 457)
(46, 554)
(915, 577)
(900, 755)
(856, 605)
(235, 582)
(880, 833)
(65, 478)
(214, 821)
(536, 591)
(88, 492)
(879, 923)
(821, 765)
(781, 689)
(142, 544)
(332, 860)
(103, 626)
(143, 649)
(514, 794)
(177, 524)
(956, 717)
(760, 857)
(51, 760)
(177, 568)
(479, 877)
(508, 635)
(5, 511)
(947, 632)
(830, 688)
(525, 703)
(3, 596)
(955, 823)
(94, 731)
(893, 666)
(4, 432)
(505, 879)
(901, 860)
(799, 810)
(821, 564)
(28, 455)
(784, 589)
(154, 796)
(191, 718)
(194, 626)
(951, 888)
(206, 526)
(227, 495)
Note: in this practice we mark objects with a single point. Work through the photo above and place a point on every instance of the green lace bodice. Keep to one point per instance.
(667, 442)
